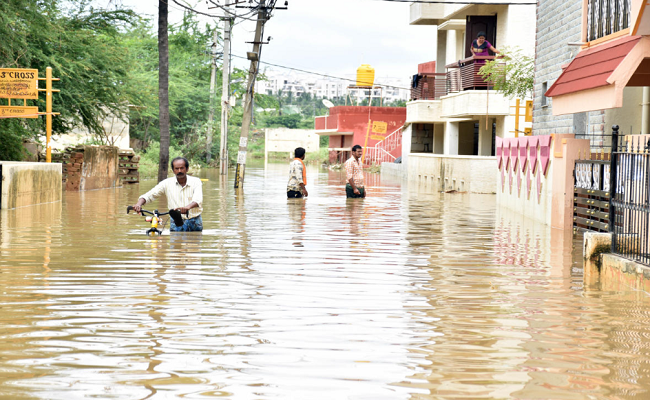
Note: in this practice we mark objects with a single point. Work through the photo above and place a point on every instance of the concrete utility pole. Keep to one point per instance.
(254, 57)
(225, 95)
(208, 142)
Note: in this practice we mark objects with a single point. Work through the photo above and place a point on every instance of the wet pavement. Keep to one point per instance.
(403, 295)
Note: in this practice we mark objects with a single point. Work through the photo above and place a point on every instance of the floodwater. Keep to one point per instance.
(403, 295)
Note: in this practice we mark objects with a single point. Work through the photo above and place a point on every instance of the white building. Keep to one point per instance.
(449, 138)
(330, 88)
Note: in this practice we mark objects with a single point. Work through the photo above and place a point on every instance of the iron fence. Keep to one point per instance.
(591, 196)
(629, 210)
(600, 145)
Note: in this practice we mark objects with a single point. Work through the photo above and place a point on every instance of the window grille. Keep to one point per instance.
(605, 17)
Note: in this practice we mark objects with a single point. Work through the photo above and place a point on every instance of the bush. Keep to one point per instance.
(11, 147)
(321, 156)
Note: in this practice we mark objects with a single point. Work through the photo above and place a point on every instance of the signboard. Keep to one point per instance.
(379, 127)
(18, 112)
(377, 137)
(18, 83)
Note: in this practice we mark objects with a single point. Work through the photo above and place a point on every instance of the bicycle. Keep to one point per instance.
(156, 221)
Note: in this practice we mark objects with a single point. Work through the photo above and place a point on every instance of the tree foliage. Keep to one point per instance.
(108, 59)
(513, 74)
(83, 47)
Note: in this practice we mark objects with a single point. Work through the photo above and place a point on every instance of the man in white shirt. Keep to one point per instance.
(184, 194)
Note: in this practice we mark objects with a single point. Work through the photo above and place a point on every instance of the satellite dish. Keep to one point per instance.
(328, 103)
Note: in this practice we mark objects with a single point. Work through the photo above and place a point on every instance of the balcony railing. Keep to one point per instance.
(430, 87)
(463, 75)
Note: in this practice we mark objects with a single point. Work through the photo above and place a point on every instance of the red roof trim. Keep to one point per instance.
(591, 67)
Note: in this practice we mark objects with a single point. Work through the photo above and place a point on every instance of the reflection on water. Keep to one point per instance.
(403, 295)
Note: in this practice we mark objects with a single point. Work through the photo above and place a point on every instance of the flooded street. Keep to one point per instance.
(402, 295)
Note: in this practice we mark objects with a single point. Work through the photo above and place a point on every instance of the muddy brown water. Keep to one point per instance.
(403, 295)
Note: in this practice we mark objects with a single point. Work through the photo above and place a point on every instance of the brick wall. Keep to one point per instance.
(422, 138)
(558, 23)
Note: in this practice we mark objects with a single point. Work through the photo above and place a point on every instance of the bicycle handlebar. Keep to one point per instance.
(130, 208)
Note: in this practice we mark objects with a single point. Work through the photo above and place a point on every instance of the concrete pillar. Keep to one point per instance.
(645, 111)
(438, 138)
(451, 139)
(441, 52)
(451, 55)
(406, 145)
(484, 137)
(502, 132)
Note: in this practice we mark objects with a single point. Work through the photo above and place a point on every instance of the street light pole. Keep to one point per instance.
(208, 142)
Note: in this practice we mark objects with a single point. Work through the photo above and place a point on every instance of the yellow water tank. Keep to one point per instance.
(365, 75)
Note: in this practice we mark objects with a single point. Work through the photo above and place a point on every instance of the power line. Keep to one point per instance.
(188, 8)
(321, 74)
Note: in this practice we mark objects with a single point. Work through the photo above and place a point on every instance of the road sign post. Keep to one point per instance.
(22, 83)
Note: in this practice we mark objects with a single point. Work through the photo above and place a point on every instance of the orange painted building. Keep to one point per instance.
(349, 125)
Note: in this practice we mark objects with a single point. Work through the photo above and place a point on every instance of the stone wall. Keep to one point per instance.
(286, 140)
(393, 169)
(28, 183)
(421, 138)
(89, 167)
(559, 22)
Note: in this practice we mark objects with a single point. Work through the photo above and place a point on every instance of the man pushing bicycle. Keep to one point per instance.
(184, 195)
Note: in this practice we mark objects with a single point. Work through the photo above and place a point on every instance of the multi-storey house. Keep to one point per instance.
(593, 68)
(455, 117)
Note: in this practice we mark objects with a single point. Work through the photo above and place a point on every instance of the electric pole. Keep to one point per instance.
(208, 142)
(225, 95)
(254, 57)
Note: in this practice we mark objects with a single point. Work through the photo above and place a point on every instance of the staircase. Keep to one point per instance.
(382, 152)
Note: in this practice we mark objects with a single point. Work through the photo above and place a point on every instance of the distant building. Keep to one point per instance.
(329, 88)
(348, 125)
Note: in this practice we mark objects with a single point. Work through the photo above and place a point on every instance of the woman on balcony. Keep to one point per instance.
(480, 47)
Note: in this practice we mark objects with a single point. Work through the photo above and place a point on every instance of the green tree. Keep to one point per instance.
(189, 81)
(82, 45)
(513, 74)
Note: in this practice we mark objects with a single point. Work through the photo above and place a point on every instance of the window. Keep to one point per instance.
(605, 17)
(544, 90)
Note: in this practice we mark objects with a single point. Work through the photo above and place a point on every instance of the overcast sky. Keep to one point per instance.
(328, 36)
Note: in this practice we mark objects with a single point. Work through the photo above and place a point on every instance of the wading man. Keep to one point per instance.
(354, 187)
(297, 176)
(184, 193)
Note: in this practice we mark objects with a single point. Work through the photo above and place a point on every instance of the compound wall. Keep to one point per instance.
(29, 183)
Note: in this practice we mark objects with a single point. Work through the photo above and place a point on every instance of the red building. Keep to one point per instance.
(348, 125)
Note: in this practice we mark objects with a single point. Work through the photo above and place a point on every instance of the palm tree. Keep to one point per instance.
(163, 88)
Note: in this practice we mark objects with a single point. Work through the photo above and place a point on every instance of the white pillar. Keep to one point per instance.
(451, 55)
(451, 139)
(406, 144)
(438, 138)
(484, 137)
(645, 111)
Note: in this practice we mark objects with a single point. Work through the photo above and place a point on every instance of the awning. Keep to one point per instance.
(596, 77)
(640, 17)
